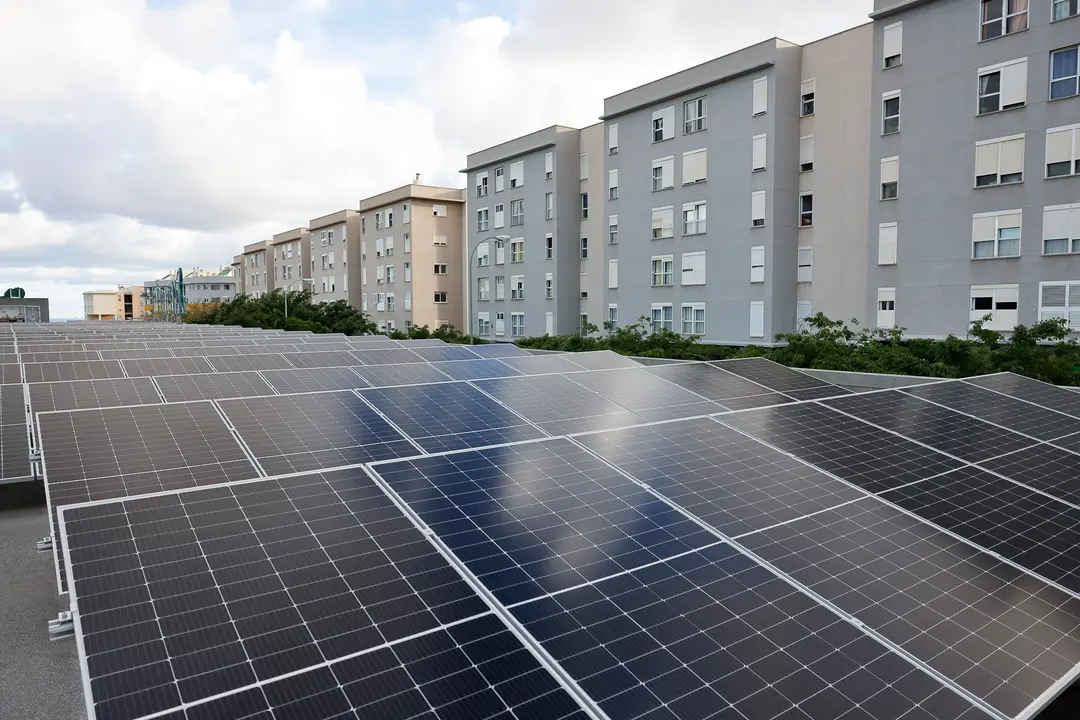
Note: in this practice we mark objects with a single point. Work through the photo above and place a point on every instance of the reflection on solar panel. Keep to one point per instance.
(88, 370)
(557, 404)
(713, 634)
(475, 369)
(817, 393)
(79, 394)
(601, 360)
(408, 374)
(340, 358)
(1044, 468)
(261, 361)
(771, 375)
(167, 366)
(313, 380)
(541, 364)
(732, 482)
(856, 451)
(450, 416)
(291, 433)
(715, 384)
(498, 350)
(647, 395)
(444, 353)
(386, 356)
(225, 587)
(999, 633)
(212, 386)
(940, 428)
(1055, 398)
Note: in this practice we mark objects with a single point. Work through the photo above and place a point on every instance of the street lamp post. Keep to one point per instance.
(297, 280)
(472, 253)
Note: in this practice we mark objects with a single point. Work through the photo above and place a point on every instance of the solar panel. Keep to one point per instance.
(475, 369)
(729, 481)
(1043, 467)
(856, 451)
(498, 350)
(291, 433)
(86, 370)
(716, 384)
(713, 634)
(339, 358)
(212, 386)
(167, 366)
(940, 428)
(409, 374)
(999, 633)
(645, 394)
(12, 405)
(135, 354)
(80, 394)
(71, 356)
(541, 364)
(771, 375)
(557, 404)
(427, 342)
(313, 379)
(601, 360)
(386, 356)
(205, 351)
(185, 596)
(1050, 396)
(14, 440)
(450, 416)
(260, 361)
(445, 353)
(535, 518)
(817, 393)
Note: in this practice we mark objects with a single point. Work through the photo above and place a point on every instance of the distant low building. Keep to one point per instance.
(202, 288)
(24, 309)
(99, 304)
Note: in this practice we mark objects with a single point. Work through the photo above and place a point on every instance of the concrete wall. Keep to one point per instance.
(593, 268)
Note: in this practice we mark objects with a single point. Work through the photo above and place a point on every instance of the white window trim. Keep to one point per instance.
(884, 48)
(998, 141)
(998, 67)
(889, 96)
(1074, 227)
(997, 228)
(1074, 129)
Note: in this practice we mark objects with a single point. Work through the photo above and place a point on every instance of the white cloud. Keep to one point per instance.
(135, 140)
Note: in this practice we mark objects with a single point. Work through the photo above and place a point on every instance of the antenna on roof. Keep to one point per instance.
(416, 180)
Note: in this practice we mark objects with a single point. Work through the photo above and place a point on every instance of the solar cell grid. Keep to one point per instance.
(445, 353)
(386, 356)
(204, 351)
(72, 356)
(135, 354)
(450, 416)
(1000, 634)
(12, 404)
(535, 518)
(292, 433)
(713, 634)
(213, 386)
(80, 370)
(731, 482)
(167, 366)
(407, 374)
(947, 430)
(713, 383)
(224, 587)
(650, 397)
(541, 364)
(14, 451)
(260, 361)
(1011, 413)
(498, 350)
(1043, 467)
(313, 379)
(601, 360)
(770, 374)
(557, 404)
(851, 449)
(79, 394)
(817, 393)
(1045, 394)
(339, 358)
(427, 342)
(475, 369)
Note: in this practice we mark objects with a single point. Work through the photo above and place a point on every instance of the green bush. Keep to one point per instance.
(268, 312)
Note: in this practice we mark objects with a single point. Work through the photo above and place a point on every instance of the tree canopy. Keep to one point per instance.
(268, 312)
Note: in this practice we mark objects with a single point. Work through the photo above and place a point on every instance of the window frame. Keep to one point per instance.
(1002, 21)
(885, 117)
(699, 221)
(1075, 77)
(997, 240)
(999, 176)
(694, 308)
(700, 120)
(806, 216)
(1000, 69)
(663, 268)
(804, 264)
(1073, 9)
(613, 230)
(1074, 151)
(885, 43)
(882, 183)
(517, 218)
(436, 295)
(1072, 224)
(700, 160)
(666, 230)
(808, 98)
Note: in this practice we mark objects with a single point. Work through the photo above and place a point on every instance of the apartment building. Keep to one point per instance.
(595, 190)
(411, 260)
(292, 259)
(525, 206)
(329, 255)
(974, 164)
(99, 305)
(258, 270)
(239, 274)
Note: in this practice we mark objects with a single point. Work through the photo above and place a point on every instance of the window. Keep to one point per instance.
(613, 317)
(389, 250)
(663, 124)
(890, 178)
(390, 302)
(693, 218)
(483, 256)
(1001, 302)
(483, 288)
(613, 229)
(806, 97)
(886, 307)
(483, 219)
(440, 268)
(324, 261)
(663, 270)
(758, 153)
(363, 302)
(1064, 73)
(549, 246)
(757, 264)
(483, 323)
(890, 112)
(517, 324)
(438, 210)
(406, 214)
(584, 247)
(1060, 300)
(661, 317)
(389, 223)
(407, 267)
(481, 184)
(517, 212)
(363, 224)
(549, 166)
(693, 268)
(500, 179)
(806, 209)
(757, 319)
(663, 222)
(549, 286)
(806, 153)
(805, 272)
(389, 274)
(438, 239)
(517, 287)
(761, 96)
(1061, 229)
(1065, 8)
(1063, 151)
(613, 139)
(613, 184)
(500, 216)
(1003, 17)
(695, 115)
(583, 166)
(517, 250)
(694, 166)
(584, 206)
(363, 276)
(802, 312)
(1003, 86)
(517, 174)
(663, 173)
(613, 273)
(549, 205)
(887, 243)
(999, 161)
(439, 296)
(892, 44)
(996, 234)
(757, 209)
(500, 287)
(693, 319)
(500, 323)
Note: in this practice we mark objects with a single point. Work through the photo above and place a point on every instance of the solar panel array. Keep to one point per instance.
(360, 527)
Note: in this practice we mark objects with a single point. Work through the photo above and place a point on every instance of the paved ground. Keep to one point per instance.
(39, 679)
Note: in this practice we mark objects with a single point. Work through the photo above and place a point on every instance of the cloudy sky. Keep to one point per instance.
(142, 135)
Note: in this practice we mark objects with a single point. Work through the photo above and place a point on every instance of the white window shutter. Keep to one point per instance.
(757, 205)
(549, 323)
(806, 150)
(757, 318)
(805, 269)
(761, 95)
(808, 86)
(802, 311)
(1058, 146)
(1057, 222)
(613, 178)
(693, 268)
(613, 137)
(613, 273)
(1012, 156)
(549, 163)
(757, 263)
(890, 170)
(759, 144)
(893, 40)
(1014, 83)
(887, 235)
(986, 159)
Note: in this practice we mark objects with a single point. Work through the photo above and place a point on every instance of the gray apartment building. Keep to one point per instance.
(292, 259)
(239, 274)
(974, 164)
(524, 234)
(330, 255)
(411, 261)
(258, 270)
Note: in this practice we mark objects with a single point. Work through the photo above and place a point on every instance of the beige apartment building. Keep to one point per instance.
(328, 245)
(291, 253)
(411, 257)
(129, 302)
(99, 304)
(258, 270)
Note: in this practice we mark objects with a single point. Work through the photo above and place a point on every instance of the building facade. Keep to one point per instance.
(410, 261)
(99, 305)
(129, 302)
(258, 269)
(292, 259)
(328, 244)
